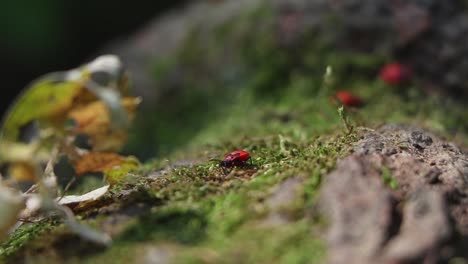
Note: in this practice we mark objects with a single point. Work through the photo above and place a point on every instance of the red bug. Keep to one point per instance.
(237, 158)
(348, 99)
(395, 73)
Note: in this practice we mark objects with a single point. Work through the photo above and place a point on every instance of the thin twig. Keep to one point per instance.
(69, 184)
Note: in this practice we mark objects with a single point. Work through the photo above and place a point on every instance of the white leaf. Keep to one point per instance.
(90, 196)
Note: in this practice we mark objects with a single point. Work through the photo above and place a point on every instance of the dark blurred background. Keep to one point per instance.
(38, 37)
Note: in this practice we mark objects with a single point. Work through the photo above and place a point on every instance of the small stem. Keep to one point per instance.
(345, 120)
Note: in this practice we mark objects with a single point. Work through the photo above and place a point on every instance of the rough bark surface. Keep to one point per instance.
(423, 220)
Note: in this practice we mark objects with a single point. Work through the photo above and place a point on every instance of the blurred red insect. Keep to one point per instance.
(237, 158)
(346, 98)
(395, 73)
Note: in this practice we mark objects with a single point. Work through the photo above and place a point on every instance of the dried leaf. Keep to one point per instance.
(107, 79)
(76, 201)
(21, 162)
(94, 120)
(23, 172)
(97, 162)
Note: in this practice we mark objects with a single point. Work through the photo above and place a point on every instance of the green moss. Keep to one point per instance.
(21, 236)
(204, 209)
(173, 224)
(283, 244)
(388, 179)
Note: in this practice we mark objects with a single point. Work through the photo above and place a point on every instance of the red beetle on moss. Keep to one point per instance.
(237, 158)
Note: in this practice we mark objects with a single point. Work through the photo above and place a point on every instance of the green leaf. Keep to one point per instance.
(44, 100)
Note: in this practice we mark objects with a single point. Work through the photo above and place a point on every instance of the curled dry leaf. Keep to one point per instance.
(97, 162)
(86, 200)
(94, 120)
(114, 166)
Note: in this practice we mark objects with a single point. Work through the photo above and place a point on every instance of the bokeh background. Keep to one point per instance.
(189, 59)
(37, 37)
